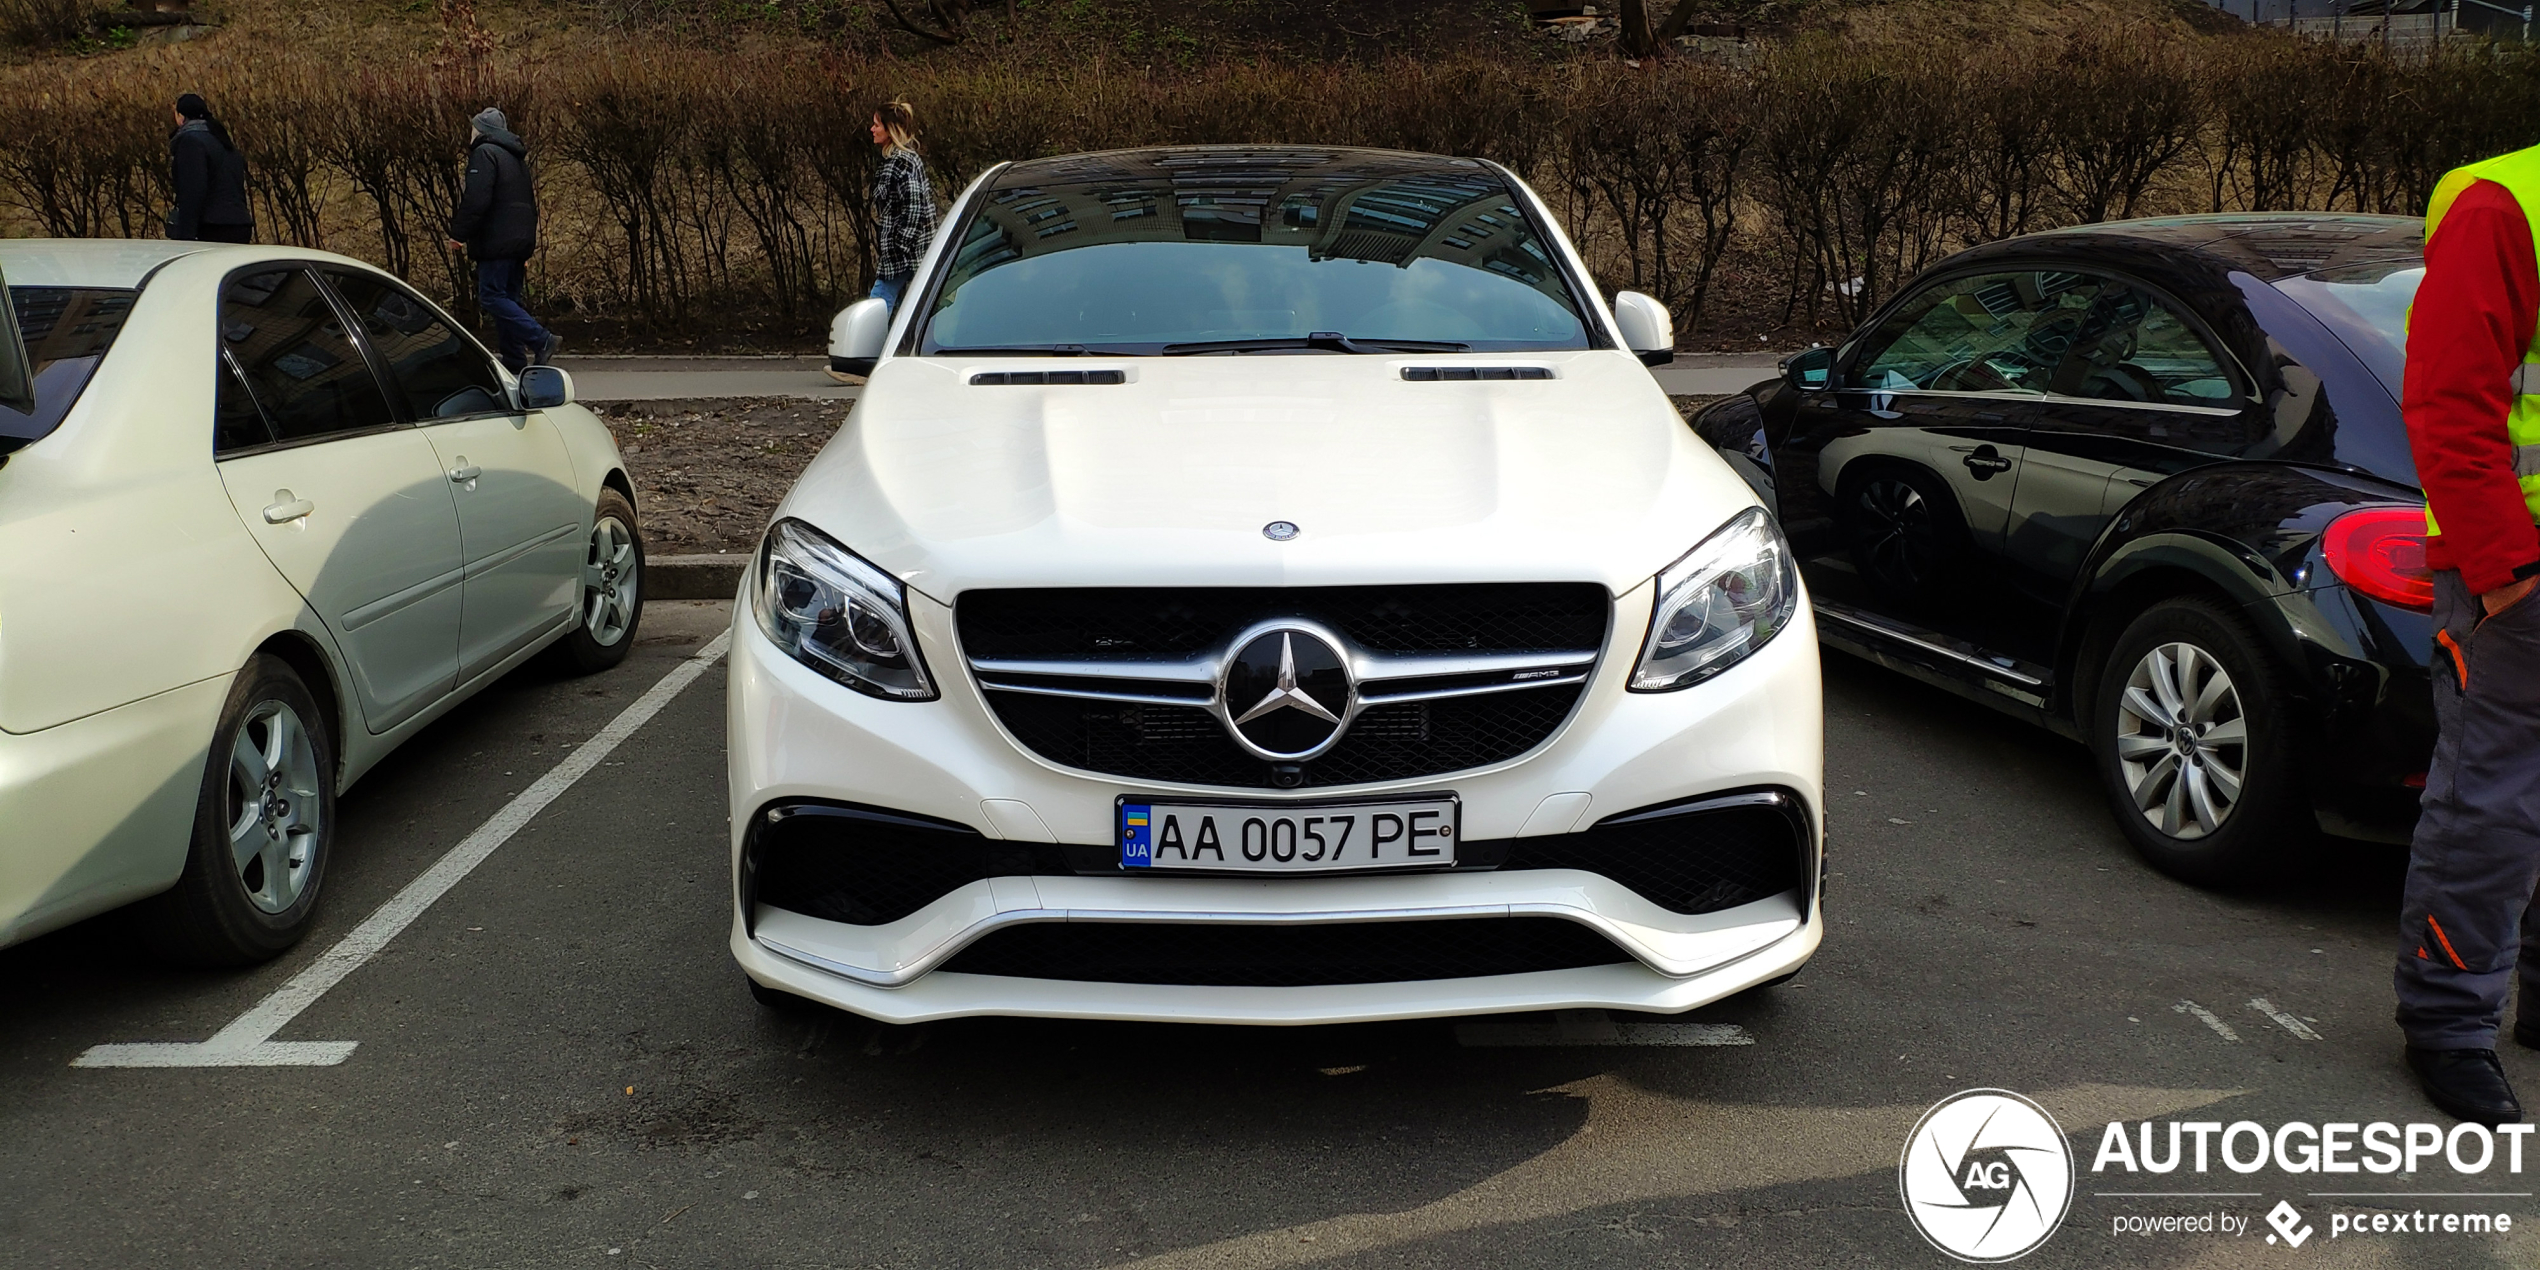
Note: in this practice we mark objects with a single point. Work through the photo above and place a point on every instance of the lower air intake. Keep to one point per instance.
(1230, 955)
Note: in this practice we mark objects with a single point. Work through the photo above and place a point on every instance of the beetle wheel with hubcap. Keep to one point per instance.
(2182, 740)
(1905, 533)
(2188, 729)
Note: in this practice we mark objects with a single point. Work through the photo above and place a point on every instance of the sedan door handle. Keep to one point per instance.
(286, 509)
(465, 471)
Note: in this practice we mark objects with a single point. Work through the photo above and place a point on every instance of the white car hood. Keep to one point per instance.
(1168, 479)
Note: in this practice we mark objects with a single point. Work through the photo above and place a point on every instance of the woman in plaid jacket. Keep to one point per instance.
(903, 203)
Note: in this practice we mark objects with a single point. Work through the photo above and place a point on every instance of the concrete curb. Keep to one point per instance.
(702, 577)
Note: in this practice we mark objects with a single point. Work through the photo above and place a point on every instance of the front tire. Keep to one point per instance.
(1906, 537)
(612, 591)
(264, 826)
(2194, 747)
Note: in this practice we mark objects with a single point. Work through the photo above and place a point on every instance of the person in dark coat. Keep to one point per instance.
(211, 178)
(497, 225)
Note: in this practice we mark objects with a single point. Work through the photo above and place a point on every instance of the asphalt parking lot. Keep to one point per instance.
(556, 1063)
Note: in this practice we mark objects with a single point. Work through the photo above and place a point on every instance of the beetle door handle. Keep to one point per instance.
(285, 509)
(465, 471)
(1986, 461)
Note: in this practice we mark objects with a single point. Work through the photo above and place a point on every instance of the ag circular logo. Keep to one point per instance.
(1986, 1175)
(1286, 693)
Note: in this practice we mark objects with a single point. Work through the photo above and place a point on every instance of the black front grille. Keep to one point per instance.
(1228, 955)
(1700, 859)
(1189, 621)
(1187, 745)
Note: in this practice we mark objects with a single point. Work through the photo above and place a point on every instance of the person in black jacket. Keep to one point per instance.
(211, 178)
(497, 224)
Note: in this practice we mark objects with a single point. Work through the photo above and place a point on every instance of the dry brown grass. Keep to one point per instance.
(688, 188)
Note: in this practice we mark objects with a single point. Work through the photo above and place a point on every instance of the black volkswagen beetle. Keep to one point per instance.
(2144, 484)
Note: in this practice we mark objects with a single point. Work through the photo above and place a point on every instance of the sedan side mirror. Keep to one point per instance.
(1810, 371)
(1647, 330)
(855, 336)
(545, 388)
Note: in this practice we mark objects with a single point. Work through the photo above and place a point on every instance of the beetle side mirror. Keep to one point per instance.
(545, 388)
(17, 372)
(856, 334)
(1810, 371)
(1646, 329)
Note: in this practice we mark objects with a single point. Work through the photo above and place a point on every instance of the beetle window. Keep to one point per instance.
(1985, 333)
(2138, 350)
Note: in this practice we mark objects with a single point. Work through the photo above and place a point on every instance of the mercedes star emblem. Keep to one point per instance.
(1286, 693)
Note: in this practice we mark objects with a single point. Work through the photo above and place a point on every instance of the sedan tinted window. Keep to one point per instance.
(2133, 348)
(67, 332)
(292, 348)
(1994, 332)
(442, 374)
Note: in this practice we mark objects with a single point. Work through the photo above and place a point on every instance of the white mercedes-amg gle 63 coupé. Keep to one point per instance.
(1264, 585)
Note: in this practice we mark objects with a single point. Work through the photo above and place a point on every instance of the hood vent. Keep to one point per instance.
(1431, 374)
(1050, 377)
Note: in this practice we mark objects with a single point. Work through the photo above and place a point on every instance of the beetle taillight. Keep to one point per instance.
(2380, 551)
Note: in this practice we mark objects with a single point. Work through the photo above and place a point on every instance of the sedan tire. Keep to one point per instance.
(264, 826)
(2193, 745)
(612, 591)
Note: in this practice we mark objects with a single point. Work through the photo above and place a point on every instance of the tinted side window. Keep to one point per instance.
(442, 375)
(67, 332)
(237, 421)
(1995, 332)
(298, 361)
(2136, 349)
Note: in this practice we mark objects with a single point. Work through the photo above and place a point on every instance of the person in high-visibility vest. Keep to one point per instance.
(2472, 404)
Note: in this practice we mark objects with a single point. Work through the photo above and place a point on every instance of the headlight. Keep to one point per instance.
(1722, 601)
(831, 610)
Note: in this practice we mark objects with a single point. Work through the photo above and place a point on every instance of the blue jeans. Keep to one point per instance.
(517, 336)
(889, 290)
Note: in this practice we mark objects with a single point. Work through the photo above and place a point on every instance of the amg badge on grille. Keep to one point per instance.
(1286, 693)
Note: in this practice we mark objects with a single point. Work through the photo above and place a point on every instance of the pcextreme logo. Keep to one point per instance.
(1986, 1175)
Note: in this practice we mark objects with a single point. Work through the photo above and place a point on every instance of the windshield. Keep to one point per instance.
(2367, 306)
(67, 332)
(1254, 253)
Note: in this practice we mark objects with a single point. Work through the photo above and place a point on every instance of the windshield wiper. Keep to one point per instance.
(1033, 350)
(1331, 341)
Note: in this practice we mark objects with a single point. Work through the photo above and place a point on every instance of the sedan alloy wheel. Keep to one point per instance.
(277, 817)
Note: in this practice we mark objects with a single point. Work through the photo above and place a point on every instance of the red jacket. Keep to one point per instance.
(2472, 321)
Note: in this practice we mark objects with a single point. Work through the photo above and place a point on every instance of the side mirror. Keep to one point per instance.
(17, 372)
(856, 334)
(1647, 330)
(1810, 371)
(545, 388)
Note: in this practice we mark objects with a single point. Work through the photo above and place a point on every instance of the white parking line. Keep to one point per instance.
(248, 1040)
(1594, 1027)
(2208, 1018)
(2283, 1020)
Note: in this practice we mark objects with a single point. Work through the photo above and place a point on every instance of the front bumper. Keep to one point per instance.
(796, 737)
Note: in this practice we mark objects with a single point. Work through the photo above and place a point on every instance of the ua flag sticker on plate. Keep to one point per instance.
(1137, 849)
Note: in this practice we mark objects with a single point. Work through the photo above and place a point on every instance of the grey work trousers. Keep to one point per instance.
(2467, 918)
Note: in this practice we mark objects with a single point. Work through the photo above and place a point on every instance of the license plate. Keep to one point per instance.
(1333, 838)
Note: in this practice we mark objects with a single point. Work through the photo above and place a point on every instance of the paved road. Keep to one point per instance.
(557, 1063)
(657, 378)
